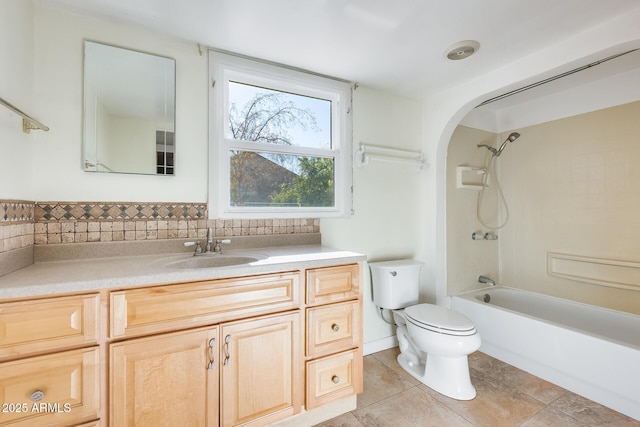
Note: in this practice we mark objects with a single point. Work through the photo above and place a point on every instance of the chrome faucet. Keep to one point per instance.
(207, 248)
(487, 280)
(211, 247)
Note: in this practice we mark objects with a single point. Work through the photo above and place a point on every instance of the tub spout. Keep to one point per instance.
(485, 279)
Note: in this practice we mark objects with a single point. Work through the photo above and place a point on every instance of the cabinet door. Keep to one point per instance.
(165, 380)
(261, 373)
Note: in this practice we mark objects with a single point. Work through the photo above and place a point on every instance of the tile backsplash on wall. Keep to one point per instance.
(16, 224)
(25, 223)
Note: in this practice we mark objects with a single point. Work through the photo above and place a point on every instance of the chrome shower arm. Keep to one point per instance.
(493, 150)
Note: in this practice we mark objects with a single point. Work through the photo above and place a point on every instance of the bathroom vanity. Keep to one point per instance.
(129, 341)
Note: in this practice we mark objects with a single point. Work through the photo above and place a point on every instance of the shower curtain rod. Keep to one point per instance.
(28, 122)
(550, 79)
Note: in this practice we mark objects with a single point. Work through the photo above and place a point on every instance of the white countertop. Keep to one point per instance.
(54, 277)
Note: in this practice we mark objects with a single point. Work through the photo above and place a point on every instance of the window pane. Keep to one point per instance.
(273, 117)
(261, 179)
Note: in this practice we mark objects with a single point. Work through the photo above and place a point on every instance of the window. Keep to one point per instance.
(165, 147)
(280, 141)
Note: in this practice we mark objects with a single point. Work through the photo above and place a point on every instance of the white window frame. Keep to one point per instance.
(223, 68)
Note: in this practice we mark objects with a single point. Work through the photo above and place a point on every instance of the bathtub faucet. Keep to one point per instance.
(485, 279)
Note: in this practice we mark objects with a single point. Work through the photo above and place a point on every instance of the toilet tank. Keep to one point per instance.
(396, 284)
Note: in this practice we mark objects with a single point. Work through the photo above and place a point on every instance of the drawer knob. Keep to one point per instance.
(335, 327)
(335, 379)
(37, 396)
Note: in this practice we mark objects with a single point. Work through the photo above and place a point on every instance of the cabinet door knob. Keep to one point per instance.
(37, 396)
(335, 327)
(335, 379)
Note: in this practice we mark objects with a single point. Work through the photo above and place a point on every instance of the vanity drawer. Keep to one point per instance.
(333, 377)
(67, 384)
(331, 284)
(42, 325)
(332, 328)
(164, 308)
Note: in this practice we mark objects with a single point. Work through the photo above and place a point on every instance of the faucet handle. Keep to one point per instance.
(195, 243)
(217, 248)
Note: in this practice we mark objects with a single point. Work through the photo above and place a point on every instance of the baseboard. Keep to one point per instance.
(379, 345)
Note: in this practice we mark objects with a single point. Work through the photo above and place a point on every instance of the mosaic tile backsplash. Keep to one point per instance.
(25, 223)
(16, 224)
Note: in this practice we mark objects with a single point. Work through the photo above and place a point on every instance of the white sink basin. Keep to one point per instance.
(212, 261)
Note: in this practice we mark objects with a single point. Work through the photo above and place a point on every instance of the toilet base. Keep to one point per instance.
(446, 375)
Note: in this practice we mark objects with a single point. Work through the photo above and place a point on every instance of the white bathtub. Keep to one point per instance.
(589, 350)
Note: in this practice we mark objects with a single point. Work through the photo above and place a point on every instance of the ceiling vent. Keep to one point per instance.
(462, 50)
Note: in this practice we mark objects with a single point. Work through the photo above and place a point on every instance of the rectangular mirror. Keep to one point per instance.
(129, 111)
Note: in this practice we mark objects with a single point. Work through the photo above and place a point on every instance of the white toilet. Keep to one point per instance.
(434, 341)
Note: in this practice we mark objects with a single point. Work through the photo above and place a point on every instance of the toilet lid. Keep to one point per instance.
(439, 319)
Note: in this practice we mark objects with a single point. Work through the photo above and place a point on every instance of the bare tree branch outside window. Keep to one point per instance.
(273, 179)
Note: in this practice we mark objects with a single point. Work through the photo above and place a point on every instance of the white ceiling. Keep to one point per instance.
(398, 45)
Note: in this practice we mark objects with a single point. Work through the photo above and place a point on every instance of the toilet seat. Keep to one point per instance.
(439, 319)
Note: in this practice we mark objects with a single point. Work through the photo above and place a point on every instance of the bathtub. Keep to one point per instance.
(591, 351)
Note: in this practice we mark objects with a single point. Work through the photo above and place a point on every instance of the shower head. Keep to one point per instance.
(512, 137)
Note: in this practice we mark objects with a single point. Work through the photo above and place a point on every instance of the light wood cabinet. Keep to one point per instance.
(155, 309)
(58, 389)
(173, 378)
(261, 370)
(330, 284)
(50, 370)
(333, 328)
(165, 380)
(257, 360)
(333, 334)
(246, 351)
(47, 324)
(334, 377)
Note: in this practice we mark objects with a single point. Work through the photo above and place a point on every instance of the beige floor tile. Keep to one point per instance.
(345, 420)
(590, 413)
(551, 417)
(411, 408)
(380, 382)
(493, 405)
(507, 397)
(485, 363)
(518, 379)
(390, 359)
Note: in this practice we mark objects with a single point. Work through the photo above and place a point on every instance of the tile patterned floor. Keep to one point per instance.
(507, 397)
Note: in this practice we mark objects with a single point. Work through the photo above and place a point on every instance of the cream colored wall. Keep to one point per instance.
(57, 159)
(16, 87)
(573, 187)
(387, 197)
(466, 258)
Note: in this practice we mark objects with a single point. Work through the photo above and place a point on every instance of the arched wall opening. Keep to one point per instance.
(443, 112)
